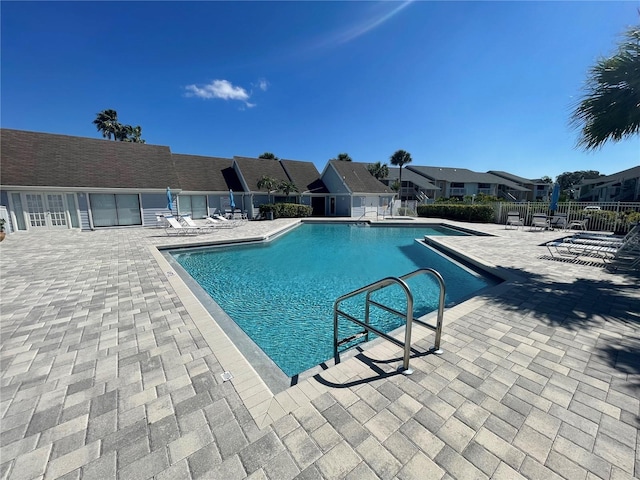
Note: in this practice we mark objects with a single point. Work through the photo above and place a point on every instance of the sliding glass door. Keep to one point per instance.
(111, 210)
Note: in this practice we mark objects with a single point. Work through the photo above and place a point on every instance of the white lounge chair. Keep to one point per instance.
(220, 222)
(604, 240)
(176, 228)
(539, 220)
(627, 249)
(514, 219)
(224, 219)
(199, 228)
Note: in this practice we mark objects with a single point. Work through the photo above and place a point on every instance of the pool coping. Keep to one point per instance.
(263, 404)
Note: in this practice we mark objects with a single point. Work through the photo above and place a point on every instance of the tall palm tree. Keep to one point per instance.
(267, 183)
(268, 156)
(287, 187)
(399, 159)
(132, 134)
(610, 108)
(107, 122)
(343, 157)
(378, 170)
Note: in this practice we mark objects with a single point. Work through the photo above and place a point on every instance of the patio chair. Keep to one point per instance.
(581, 224)
(224, 219)
(627, 249)
(559, 220)
(219, 223)
(605, 240)
(160, 221)
(200, 228)
(514, 219)
(239, 215)
(175, 227)
(539, 220)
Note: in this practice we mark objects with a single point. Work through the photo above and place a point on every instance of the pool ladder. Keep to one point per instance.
(408, 315)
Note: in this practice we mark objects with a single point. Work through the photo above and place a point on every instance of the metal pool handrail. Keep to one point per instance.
(408, 315)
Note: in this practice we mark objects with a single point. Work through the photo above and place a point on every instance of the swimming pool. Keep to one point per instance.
(281, 293)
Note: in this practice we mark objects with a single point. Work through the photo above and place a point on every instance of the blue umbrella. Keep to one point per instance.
(555, 195)
(169, 201)
(231, 202)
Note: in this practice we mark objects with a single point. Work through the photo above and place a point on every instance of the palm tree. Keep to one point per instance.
(399, 159)
(268, 156)
(610, 108)
(267, 183)
(107, 122)
(343, 157)
(132, 134)
(378, 170)
(287, 187)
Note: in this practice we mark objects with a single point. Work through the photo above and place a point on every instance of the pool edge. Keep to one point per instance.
(266, 407)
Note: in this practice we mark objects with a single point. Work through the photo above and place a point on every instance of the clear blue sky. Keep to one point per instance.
(479, 85)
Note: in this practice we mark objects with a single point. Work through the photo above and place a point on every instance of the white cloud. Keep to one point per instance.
(263, 84)
(223, 89)
(383, 12)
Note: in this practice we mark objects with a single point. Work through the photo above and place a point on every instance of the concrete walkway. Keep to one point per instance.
(111, 369)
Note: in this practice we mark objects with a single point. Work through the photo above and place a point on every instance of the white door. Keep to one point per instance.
(46, 210)
(57, 211)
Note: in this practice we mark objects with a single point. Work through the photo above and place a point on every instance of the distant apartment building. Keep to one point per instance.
(622, 186)
(461, 182)
(538, 190)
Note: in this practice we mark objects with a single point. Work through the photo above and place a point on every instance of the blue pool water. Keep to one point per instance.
(282, 293)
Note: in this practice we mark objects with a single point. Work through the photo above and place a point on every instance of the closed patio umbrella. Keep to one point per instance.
(555, 196)
(169, 201)
(231, 202)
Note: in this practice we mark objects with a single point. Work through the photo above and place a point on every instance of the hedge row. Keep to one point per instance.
(286, 210)
(465, 213)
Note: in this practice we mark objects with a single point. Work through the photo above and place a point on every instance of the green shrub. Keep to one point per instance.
(463, 213)
(286, 210)
(632, 218)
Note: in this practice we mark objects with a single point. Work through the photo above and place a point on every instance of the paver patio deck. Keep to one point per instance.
(111, 368)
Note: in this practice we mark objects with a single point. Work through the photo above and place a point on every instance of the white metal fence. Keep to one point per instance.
(616, 217)
(601, 216)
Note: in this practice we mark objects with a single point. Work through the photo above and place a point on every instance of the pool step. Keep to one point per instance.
(352, 337)
(366, 292)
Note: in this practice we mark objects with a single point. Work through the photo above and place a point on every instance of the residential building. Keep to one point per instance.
(354, 192)
(461, 182)
(622, 186)
(205, 183)
(414, 186)
(60, 181)
(538, 190)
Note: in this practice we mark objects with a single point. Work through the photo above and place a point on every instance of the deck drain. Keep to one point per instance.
(226, 376)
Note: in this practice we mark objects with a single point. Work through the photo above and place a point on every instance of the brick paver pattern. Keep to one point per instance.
(105, 374)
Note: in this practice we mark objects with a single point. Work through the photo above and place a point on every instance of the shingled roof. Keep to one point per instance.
(49, 160)
(410, 176)
(304, 175)
(357, 177)
(206, 174)
(464, 175)
(632, 172)
(512, 177)
(253, 169)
